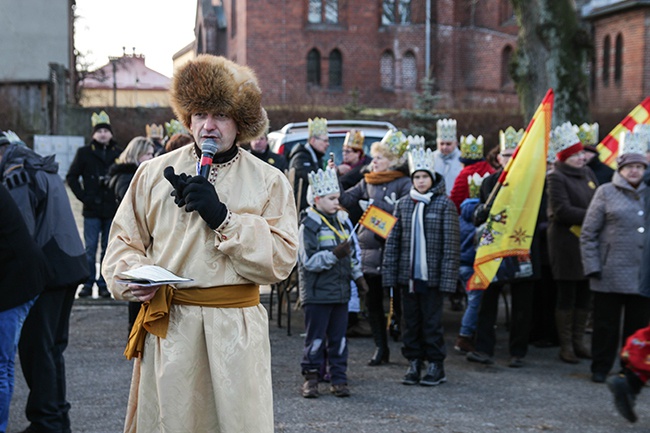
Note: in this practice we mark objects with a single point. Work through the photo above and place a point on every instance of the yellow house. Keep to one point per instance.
(125, 82)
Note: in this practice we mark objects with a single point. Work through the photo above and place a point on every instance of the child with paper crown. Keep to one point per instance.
(421, 260)
(327, 263)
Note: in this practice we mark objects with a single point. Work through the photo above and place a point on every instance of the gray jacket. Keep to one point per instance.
(612, 237)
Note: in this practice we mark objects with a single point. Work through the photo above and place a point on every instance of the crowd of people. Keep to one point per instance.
(233, 222)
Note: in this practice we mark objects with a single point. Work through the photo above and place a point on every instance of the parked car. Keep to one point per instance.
(283, 140)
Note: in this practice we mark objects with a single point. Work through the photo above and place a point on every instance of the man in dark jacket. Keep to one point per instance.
(308, 157)
(39, 193)
(260, 148)
(91, 164)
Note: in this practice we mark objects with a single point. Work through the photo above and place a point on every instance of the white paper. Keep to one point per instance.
(150, 275)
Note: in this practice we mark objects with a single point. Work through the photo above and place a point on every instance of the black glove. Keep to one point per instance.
(178, 182)
(342, 250)
(199, 195)
(362, 286)
(481, 214)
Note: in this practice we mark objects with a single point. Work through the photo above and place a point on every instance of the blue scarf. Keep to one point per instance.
(419, 269)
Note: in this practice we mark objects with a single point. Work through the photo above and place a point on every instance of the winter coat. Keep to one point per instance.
(352, 178)
(644, 274)
(467, 232)
(569, 190)
(460, 190)
(41, 196)
(448, 166)
(91, 163)
(385, 197)
(304, 159)
(602, 171)
(442, 234)
(277, 161)
(324, 278)
(120, 177)
(612, 237)
(23, 269)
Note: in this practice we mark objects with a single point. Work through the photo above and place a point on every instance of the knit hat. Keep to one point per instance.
(100, 120)
(213, 84)
(564, 141)
(354, 139)
(632, 149)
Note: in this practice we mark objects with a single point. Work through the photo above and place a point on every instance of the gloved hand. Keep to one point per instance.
(199, 195)
(342, 250)
(481, 214)
(178, 182)
(362, 286)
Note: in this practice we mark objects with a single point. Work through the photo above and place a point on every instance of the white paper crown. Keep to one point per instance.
(323, 182)
(446, 130)
(563, 137)
(474, 182)
(588, 134)
(644, 130)
(510, 138)
(630, 142)
(420, 158)
(317, 126)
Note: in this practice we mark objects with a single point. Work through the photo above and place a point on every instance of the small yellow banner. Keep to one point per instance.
(378, 221)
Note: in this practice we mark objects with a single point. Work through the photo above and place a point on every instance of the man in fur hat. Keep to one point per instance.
(202, 347)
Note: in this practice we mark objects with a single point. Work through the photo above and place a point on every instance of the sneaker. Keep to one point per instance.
(480, 357)
(412, 376)
(623, 397)
(435, 375)
(464, 345)
(85, 292)
(104, 293)
(516, 362)
(340, 390)
(310, 387)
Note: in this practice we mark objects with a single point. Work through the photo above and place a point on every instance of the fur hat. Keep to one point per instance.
(214, 84)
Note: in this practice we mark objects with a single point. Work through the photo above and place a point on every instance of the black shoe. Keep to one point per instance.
(85, 292)
(435, 375)
(104, 293)
(480, 357)
(623, 397)
(598, 377)
(412, 376)
(516, 362)
(380, 356)
(340, 390)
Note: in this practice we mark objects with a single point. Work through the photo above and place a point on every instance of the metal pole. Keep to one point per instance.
(427, 45)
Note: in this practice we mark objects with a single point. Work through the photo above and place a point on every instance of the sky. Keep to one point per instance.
(156, 28)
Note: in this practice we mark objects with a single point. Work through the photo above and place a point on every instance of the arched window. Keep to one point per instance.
(606, 50)
(409, 71)
(618, 59)
(387, 70)
(336, 70)
(506, 56)
(313, 68)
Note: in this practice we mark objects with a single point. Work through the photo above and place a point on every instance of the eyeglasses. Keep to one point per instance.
(349, 151)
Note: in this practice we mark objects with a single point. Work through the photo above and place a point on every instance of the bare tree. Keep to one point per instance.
(553, 50)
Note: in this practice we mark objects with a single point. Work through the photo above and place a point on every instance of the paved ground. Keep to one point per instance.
(546, 395)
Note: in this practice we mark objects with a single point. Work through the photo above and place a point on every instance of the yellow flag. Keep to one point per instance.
(608, 148)
(378, 221)
(513, 215)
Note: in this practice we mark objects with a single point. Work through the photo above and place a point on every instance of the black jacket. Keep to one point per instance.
(602, 171)
(120, 179)
(304, 159)
(277, 161)
(91, 163)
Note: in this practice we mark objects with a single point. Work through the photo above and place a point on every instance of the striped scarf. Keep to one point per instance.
(419, 269)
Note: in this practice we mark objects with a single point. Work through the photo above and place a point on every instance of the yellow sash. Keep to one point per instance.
(154, 315)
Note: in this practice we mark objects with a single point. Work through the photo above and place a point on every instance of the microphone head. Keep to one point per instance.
(209, 147)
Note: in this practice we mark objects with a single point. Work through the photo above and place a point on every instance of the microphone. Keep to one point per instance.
(208, 149)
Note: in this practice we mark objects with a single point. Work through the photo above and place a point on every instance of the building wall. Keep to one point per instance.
(125, 98)
(44, 38)
(633, 86)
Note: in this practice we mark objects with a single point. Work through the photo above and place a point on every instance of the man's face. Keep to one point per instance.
(328, 204)
(260, 144)
(446, 147)
(320, 143)
(350, 156)
(102, 135)
(220, 127)
(504, 156)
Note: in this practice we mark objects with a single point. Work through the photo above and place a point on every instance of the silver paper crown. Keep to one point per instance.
(323, 182)
(510, 138)
(446, 130)
(563, 137)
(421, 159)
(588, 134)
(644, 130)
(415, 142)
(630, 142)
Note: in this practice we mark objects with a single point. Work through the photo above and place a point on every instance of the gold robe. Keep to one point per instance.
(212, 372)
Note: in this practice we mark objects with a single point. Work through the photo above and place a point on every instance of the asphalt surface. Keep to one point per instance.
(545, 395)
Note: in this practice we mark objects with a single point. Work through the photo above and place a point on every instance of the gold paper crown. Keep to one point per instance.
(175, 127)
(563, 137)
(510, 138)
(323, 182)
(155, 131)
(354, 139)
(396, 142)
(421, 159)
(446, 130)
(471, 147)
(588, 134)
(317, 127)
(474, 182)
(631, 142)
(100, 119)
